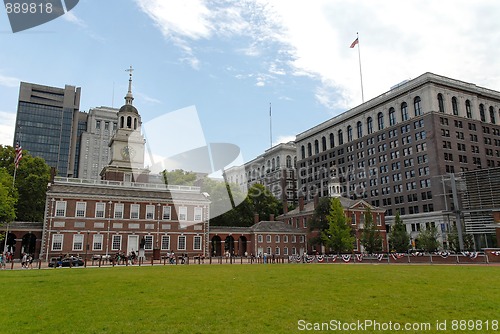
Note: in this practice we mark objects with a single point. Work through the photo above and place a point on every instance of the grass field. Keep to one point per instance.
(273, 298)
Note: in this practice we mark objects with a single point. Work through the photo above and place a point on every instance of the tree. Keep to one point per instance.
(399, 239)
(262, 201)
(370, 235)
(32, 178)
(8, 197)
(339, 235)
(179, 177)
(454, 243)
(428, 239)
(319, 219)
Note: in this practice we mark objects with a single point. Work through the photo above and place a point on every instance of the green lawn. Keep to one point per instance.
(271, 298)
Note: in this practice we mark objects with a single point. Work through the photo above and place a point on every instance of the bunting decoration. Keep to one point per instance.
(379, 256)
(496, 253)
(359, 257)
(471, 255)
(397, 256)
(320, 258)
(346, 257)
(444, 255)
(334, 257)
(417, 254)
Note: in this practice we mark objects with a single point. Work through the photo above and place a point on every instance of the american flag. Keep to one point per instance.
(353, 44)
(19, 155)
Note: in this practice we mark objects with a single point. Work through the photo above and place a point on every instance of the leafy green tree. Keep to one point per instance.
(428, 239)
(370, 235)
(262, 201)
(454, 243)
(399, 239)
(179, 177)
(319, 219)
(339, 235)
(8, 197)
(32, 178)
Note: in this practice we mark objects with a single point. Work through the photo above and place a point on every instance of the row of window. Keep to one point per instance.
(116, 242)
(468, 109)
(277, 251)
(277, 239)
(359, 128)
(119, 209)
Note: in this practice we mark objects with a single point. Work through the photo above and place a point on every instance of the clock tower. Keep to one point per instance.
(127, 144)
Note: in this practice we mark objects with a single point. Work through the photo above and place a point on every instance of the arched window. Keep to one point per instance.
(278, 162)
(492, 115)
(359, 127)
(468, 109)
(332, 140)
(309, 149)
(258, 172)
(295, 162)
(135, 123)
(268, 166)
(121, 122)
(369, 125)
(417, 106)
(129, 122)
(340, 137)
(440, 102)
(380, 118)
(481, 113)
(273, 164)
(349, 133)
(323, 143)
(392, 117)
(288, 161)
(316, 147)
(404, 111)
(454, 105)
(303, 152)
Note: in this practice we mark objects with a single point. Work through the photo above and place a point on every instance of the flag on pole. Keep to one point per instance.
(353, 44)
(19, 155)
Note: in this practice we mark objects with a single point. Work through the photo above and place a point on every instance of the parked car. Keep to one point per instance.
(66, 262)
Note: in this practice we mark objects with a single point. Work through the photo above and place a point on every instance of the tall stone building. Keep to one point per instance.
(396, 149)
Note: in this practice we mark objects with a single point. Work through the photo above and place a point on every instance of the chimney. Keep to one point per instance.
(301, 203)
(285, 207)
(316, 201)
(255, 218)
(271, 217)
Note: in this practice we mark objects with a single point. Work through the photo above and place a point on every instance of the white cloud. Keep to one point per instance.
(7, 81)
(7, 123)
(399, 40)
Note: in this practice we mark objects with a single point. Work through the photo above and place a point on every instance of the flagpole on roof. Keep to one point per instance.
(356, 42)
(270, 126)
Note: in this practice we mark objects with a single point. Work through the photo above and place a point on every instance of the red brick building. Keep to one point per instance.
(354, 211)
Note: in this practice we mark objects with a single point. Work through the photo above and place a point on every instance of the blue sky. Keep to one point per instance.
(230, 59)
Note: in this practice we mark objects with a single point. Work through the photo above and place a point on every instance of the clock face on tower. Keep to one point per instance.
(127, 152)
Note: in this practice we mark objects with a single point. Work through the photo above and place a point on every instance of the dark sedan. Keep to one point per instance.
(66, 262)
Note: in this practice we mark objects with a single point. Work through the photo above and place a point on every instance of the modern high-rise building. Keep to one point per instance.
(396, 150)
(47, 124)
(94, 153)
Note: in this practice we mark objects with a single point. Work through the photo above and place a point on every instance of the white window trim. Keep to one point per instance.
(75, 241)
(198, 214)
(59, 236)
(163, 237)
(169, 209)
(150, 209)
(149, 236)
(84, 209)
(63, 204)
(112, 242)
(121, 208)
(103, 205)
(96, 238)
(196, 237)
(178, 242)
(183, 211)
(138, 206)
